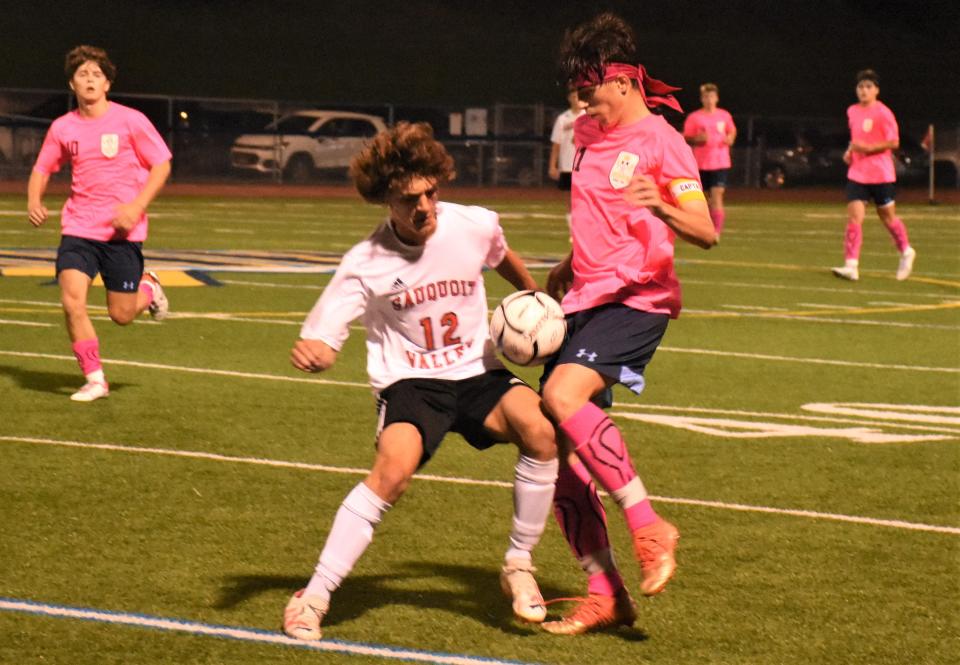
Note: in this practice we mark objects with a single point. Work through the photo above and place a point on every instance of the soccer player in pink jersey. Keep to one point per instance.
(711, 132)
(635, 188)
(119, 163)
(871, 175)
(416, 283)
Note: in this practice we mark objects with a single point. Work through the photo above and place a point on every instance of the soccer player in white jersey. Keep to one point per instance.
(416, 284)
(119, 163)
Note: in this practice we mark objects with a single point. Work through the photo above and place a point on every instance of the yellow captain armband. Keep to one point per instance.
(686, 189)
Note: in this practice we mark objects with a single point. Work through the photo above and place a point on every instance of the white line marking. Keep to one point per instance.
(244, 634)
(14, 322)
(194, 370)
(707, 352)
(823, 289)
(273, 285)
(939, 415)
(812, 361)
(819, 319)
(788, 416)
(898, 524)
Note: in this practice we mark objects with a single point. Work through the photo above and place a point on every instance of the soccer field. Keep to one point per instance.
(802, 432)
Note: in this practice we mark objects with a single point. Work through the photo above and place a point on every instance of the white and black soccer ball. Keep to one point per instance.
(528, 327)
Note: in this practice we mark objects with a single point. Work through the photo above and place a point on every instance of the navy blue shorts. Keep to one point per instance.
(565, 181)
(438, 406)
(715, 178)
(120, 263)
(614, 340)
(883, 194)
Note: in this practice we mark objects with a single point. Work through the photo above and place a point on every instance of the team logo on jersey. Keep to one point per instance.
(109, 145)
(867, 124)
(623, 169)
(721, 126)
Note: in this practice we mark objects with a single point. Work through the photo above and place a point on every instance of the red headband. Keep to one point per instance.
(654, 92)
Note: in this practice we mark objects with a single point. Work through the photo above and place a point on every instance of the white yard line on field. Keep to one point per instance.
(773, 315)
(34, 324)
(259, 461)
(823, 289)
(256, 635)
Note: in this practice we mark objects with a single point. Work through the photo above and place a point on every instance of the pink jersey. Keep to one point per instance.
(622, 253)
(715, 153)
(111, 157)
(872, 124)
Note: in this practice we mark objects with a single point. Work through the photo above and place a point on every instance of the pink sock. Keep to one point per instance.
(718, 217)
(579, 511)
(640, 514)
(583, 521)
(599, 444)
(605, 583)
(146, 287)
(852, 241)
(88, 355)
(899, 233)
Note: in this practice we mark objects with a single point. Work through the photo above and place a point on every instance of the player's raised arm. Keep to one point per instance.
(689, 219)
(36, 211)
(513, 270)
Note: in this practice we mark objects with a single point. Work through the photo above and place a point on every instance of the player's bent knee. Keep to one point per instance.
(123, 318)
(558, 402)
(538, 437)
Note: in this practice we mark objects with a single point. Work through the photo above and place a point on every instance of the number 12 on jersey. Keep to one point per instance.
(449, 324)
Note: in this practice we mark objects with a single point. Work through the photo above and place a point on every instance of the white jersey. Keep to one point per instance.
(562, 135)
(424, 307)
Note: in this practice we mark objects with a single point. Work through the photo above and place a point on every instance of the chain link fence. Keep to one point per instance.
(243, 140)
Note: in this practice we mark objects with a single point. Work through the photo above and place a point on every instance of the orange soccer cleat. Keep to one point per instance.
(653, 546)
(595, 612)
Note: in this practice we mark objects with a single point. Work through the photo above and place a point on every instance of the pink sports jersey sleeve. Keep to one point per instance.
(147, 142)
(343, 301)
(678, 164)
(52, 153)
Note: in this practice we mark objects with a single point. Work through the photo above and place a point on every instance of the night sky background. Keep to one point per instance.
(773, 58)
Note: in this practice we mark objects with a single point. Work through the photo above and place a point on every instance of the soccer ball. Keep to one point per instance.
(528, 327)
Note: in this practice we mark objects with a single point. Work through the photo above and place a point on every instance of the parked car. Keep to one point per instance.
(305, 142)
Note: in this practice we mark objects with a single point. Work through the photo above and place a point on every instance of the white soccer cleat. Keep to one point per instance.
(159, 307)
(847, 272)
(518, 584)
(303, 616)
(90, 391)
(906, 263)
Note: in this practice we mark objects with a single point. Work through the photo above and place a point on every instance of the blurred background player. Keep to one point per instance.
(118, 163)
(635, 187)
(711, 132)
(416, 282)
(561, 144)
(871, 175)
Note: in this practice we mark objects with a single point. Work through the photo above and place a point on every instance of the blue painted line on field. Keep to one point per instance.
(244, 634)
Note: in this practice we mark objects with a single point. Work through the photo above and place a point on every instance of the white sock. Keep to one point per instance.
(96, 376)
(533, 485)
(351, 533)
(630, 494)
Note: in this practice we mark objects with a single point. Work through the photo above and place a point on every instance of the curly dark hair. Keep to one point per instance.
(588, 48)
(396, 155)
(81, 54)
(868, 75)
